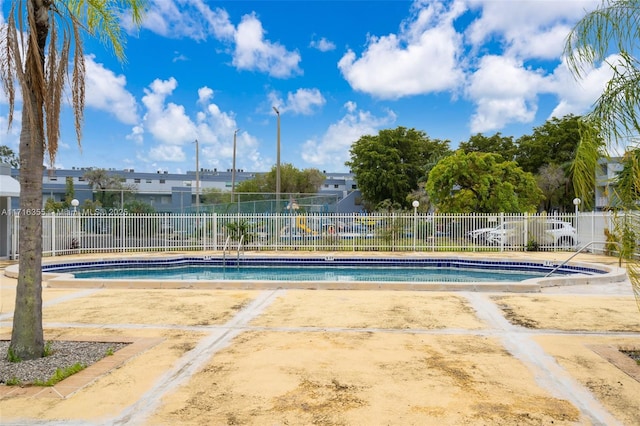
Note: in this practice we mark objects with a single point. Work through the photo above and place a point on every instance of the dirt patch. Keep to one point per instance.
(184, 307)
(571, 313)
(340, 379)
(353, 309)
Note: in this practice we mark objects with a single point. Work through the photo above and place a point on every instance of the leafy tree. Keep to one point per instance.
(553, 184)
(481, 183)
(496, 144)
(389, 165)
(138, 207)
(292, 181)
(614, 118)
(215, 196)
(7, 156)
(32, 33)
(555, 142)
(109, 188)
(69, 191)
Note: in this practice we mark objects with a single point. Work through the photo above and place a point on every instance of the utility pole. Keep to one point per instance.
(233, 170)
(197, 177)
(278, 164)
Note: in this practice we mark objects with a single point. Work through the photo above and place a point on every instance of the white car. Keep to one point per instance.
(479, 235)
(549, 232)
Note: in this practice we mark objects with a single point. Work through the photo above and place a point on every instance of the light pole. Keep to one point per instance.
(197, 177)
(75, 240)
(415, 205)
(278, 163)
(233, 170)
(576, 203)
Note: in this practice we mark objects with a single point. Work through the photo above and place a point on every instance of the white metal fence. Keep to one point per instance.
(72, 234)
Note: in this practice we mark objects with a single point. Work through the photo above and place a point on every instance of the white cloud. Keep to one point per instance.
(106, 91)
(303, 101)
(193, 19)
(503, 91)
(331, 151)
(421, 59)
(168, 123)
(527, 29)
(577, 97)
(167, 153)
(322, 45)
(253, 52)
(175, 131)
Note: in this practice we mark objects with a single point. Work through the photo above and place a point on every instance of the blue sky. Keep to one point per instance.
(336, 70)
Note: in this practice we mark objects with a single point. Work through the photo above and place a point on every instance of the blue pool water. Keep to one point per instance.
(459, 270)
(311, 273)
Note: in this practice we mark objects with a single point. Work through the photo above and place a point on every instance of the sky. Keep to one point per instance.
(335, 70)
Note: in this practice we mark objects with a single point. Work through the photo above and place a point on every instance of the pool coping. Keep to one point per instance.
(67, 280)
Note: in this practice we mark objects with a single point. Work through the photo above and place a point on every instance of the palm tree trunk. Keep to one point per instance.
(27, 336)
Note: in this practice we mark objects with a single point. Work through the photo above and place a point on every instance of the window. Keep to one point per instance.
(136, 180)
(162, 181)
(148, 180)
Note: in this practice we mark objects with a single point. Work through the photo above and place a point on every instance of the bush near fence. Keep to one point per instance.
(70, 234)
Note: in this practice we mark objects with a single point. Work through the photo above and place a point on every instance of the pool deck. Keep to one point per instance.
(245, 355)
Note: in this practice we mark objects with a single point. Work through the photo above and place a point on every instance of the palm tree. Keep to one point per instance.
(38, 60)
(614, 24)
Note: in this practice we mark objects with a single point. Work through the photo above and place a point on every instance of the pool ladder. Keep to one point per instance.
(560, 265)
(239, 248)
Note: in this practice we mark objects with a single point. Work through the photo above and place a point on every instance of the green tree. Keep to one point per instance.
(613, 25)
(110, 188)
(553, 184)
(481, 183)
(292, 181)
(496, 144)
(555, 142)
(35, 30)
(7, 156)
(389, 165)
(69, 191)
(138, 207)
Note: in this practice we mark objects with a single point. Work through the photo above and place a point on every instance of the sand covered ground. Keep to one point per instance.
(300, 357)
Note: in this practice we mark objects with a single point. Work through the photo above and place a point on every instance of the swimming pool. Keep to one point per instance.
(314, 269)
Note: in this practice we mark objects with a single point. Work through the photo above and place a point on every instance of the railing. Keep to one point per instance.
(71, 234)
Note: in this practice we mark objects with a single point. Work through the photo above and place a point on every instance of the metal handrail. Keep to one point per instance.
(240, 246)
(224, 251)
(577, 253)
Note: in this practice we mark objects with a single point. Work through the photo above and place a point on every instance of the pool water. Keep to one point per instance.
(311, 273)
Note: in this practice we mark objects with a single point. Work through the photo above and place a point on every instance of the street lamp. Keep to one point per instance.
(233, 170)
(576, 202)
(415, 205)
(75, 240)
(278, 163)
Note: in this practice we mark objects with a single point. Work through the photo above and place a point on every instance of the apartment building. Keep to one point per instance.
(176, 192)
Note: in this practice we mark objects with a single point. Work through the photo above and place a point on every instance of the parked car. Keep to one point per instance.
(479, 235)
(544, 232)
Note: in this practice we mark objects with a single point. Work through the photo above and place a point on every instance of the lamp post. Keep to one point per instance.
(278, 163)
(415, 205)
(75, 240)
(197, 177)
(233, 170)
(576, 203)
